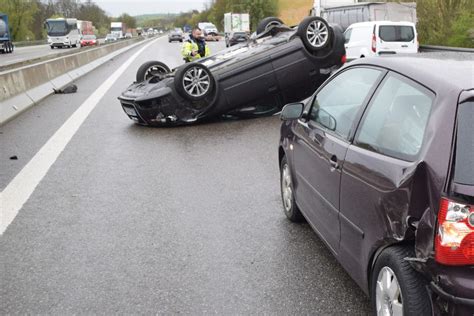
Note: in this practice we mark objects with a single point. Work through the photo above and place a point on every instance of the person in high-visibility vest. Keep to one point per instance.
(195, 47)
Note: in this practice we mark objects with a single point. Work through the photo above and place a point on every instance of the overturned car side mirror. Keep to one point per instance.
(292, 111)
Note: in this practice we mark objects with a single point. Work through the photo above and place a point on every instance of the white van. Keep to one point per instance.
(380, 37)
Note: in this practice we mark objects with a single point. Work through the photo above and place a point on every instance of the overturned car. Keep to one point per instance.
(280, 64)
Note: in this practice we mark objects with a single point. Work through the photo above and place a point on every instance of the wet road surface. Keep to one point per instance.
(185, 220)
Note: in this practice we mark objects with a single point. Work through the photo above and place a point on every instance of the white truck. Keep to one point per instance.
(346, 15)
(236, 22)
(117, 29)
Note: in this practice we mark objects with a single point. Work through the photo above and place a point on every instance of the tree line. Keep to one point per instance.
(257, 9)
(27, 17)
(440, 22)
(159, 21)
(446, 22)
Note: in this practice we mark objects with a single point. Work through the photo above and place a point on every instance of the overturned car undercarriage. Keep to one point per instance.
(281, 64)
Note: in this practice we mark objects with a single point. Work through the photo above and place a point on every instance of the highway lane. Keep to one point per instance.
(22, 54)
(131, 219)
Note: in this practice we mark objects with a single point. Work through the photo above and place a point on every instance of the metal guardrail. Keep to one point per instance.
(432, 48)
(60, 53)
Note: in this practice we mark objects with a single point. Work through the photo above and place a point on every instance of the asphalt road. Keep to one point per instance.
(22, 54)
(137, 220)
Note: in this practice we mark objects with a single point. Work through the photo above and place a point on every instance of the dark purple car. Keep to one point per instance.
(380, 162)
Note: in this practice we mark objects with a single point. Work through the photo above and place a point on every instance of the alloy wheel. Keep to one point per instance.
(388, 295)
(196, 81)
(317, 34)
(286, 188)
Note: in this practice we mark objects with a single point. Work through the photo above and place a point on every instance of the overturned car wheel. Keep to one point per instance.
(315, 33)
(151, 69)
(267, 23)
(194, 81)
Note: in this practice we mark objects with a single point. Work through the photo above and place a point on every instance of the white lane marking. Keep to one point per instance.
(19, 190)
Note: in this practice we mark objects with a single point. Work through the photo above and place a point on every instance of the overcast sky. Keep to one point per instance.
(137, 7)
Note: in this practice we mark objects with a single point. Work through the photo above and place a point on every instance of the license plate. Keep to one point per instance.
(130, 111)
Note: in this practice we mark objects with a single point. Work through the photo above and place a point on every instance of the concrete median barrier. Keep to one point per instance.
(23, 87)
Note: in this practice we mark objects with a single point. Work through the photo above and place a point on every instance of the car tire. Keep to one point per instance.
(396, 286)
(290, 208)
(150, 69)
(267, 23)
(194, 81)
(315, 33)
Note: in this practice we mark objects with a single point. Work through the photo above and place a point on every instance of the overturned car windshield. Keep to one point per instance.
(464, 168)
